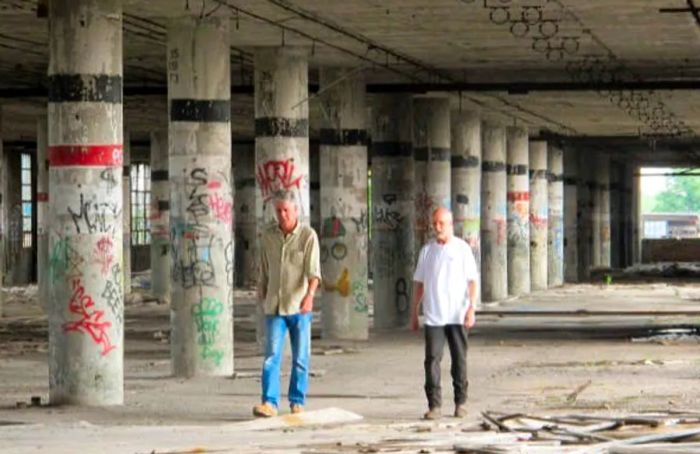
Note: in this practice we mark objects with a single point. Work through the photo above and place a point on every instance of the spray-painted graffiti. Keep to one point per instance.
(274, 176)
(90, 322)
(501, 226)
(112, 294)
(206, 315)
(359, 294)
(191, 259)
(221, 208)
(64, 261)
(104, 254)
(338, 251)
(402, 299)
(361, 222)
(95, 217)
(341, 285)
(197, 205)
(332, 228)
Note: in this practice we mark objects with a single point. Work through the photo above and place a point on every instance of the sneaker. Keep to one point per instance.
(460, 411)
(264, 410)
(296, 409)
(433, 414)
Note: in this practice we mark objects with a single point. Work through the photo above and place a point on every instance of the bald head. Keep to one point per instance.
(443, 225)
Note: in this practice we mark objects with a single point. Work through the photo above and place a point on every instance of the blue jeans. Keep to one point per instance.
(299, 326)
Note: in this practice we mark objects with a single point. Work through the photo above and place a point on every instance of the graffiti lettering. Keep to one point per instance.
(401, 292)
(91, 319)
(274, 176)
(221, 208)
(206, 314)
(95, 217)
(112, 293)
(103, 254)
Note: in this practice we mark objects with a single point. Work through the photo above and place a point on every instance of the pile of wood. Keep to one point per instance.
(659, 433)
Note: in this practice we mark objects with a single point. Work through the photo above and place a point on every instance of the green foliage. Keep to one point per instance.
(682, 195)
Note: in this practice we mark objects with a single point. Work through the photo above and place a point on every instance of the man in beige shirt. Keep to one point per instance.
(290, 272)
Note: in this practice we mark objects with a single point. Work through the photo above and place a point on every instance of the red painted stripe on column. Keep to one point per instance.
(85, 155)
(42, 196)
(518, 196)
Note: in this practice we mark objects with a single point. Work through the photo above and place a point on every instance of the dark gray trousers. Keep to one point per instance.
(435, 336)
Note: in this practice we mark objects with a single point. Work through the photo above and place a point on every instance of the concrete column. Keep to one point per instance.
(585, 195)
(281, 128)
(393, 215)
(42, 208)
(466, 178)
(126, 214)
(281, 135)
(3, 228)
(601, 232)
(615, 215)
(494, 252)
(201, 199)
(571, 216)
(315, 185)
(344, 222)
(555, 202)
(246, 261)
(86, 310)
(539, 215)
(628, 207)
(637, 232)
(160, 217)
(431, 152)
(518, 211)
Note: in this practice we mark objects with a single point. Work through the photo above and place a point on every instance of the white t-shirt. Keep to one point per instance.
(445, 271)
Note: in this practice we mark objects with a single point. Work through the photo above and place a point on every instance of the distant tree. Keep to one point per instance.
(682, 195)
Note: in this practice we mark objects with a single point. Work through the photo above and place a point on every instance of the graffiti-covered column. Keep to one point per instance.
(244, 205)
(201, 199)
(555, 207)
(432, 154)
(466, 178)
(571, 216)
(86, 308)
(393, 215)
(344, 221)
(281, 129)
(539, 214)
(518, 211)
(126, 214)
(494, 247)
(160, 217)
(281, 135)
(42, 211)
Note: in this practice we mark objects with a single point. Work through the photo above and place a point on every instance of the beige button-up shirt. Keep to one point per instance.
(286, 265)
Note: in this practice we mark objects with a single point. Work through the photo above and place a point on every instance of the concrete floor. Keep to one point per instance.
(528, 364)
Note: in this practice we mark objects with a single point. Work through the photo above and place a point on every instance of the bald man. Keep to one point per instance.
(446, 282)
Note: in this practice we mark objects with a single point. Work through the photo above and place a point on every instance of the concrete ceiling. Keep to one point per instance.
(579, 43)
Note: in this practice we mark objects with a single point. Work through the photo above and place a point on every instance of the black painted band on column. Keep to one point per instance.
(163, 205)
(518, 169)
(200, 110)
(344, 137)
(614, 186)
(392, 149)
(570, 181)
(432, 154)
(281, 127)
(315, 185)
(85, 88)
(460, 162)
(538, 174)
(554, 177)
(126, 171)
(241, 183)
(159, 175)
(493, 166)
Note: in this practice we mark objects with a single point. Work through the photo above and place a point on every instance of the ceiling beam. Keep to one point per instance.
(515, 88)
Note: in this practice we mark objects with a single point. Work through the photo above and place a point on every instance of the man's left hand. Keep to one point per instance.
(470, 319)
(307, 304)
